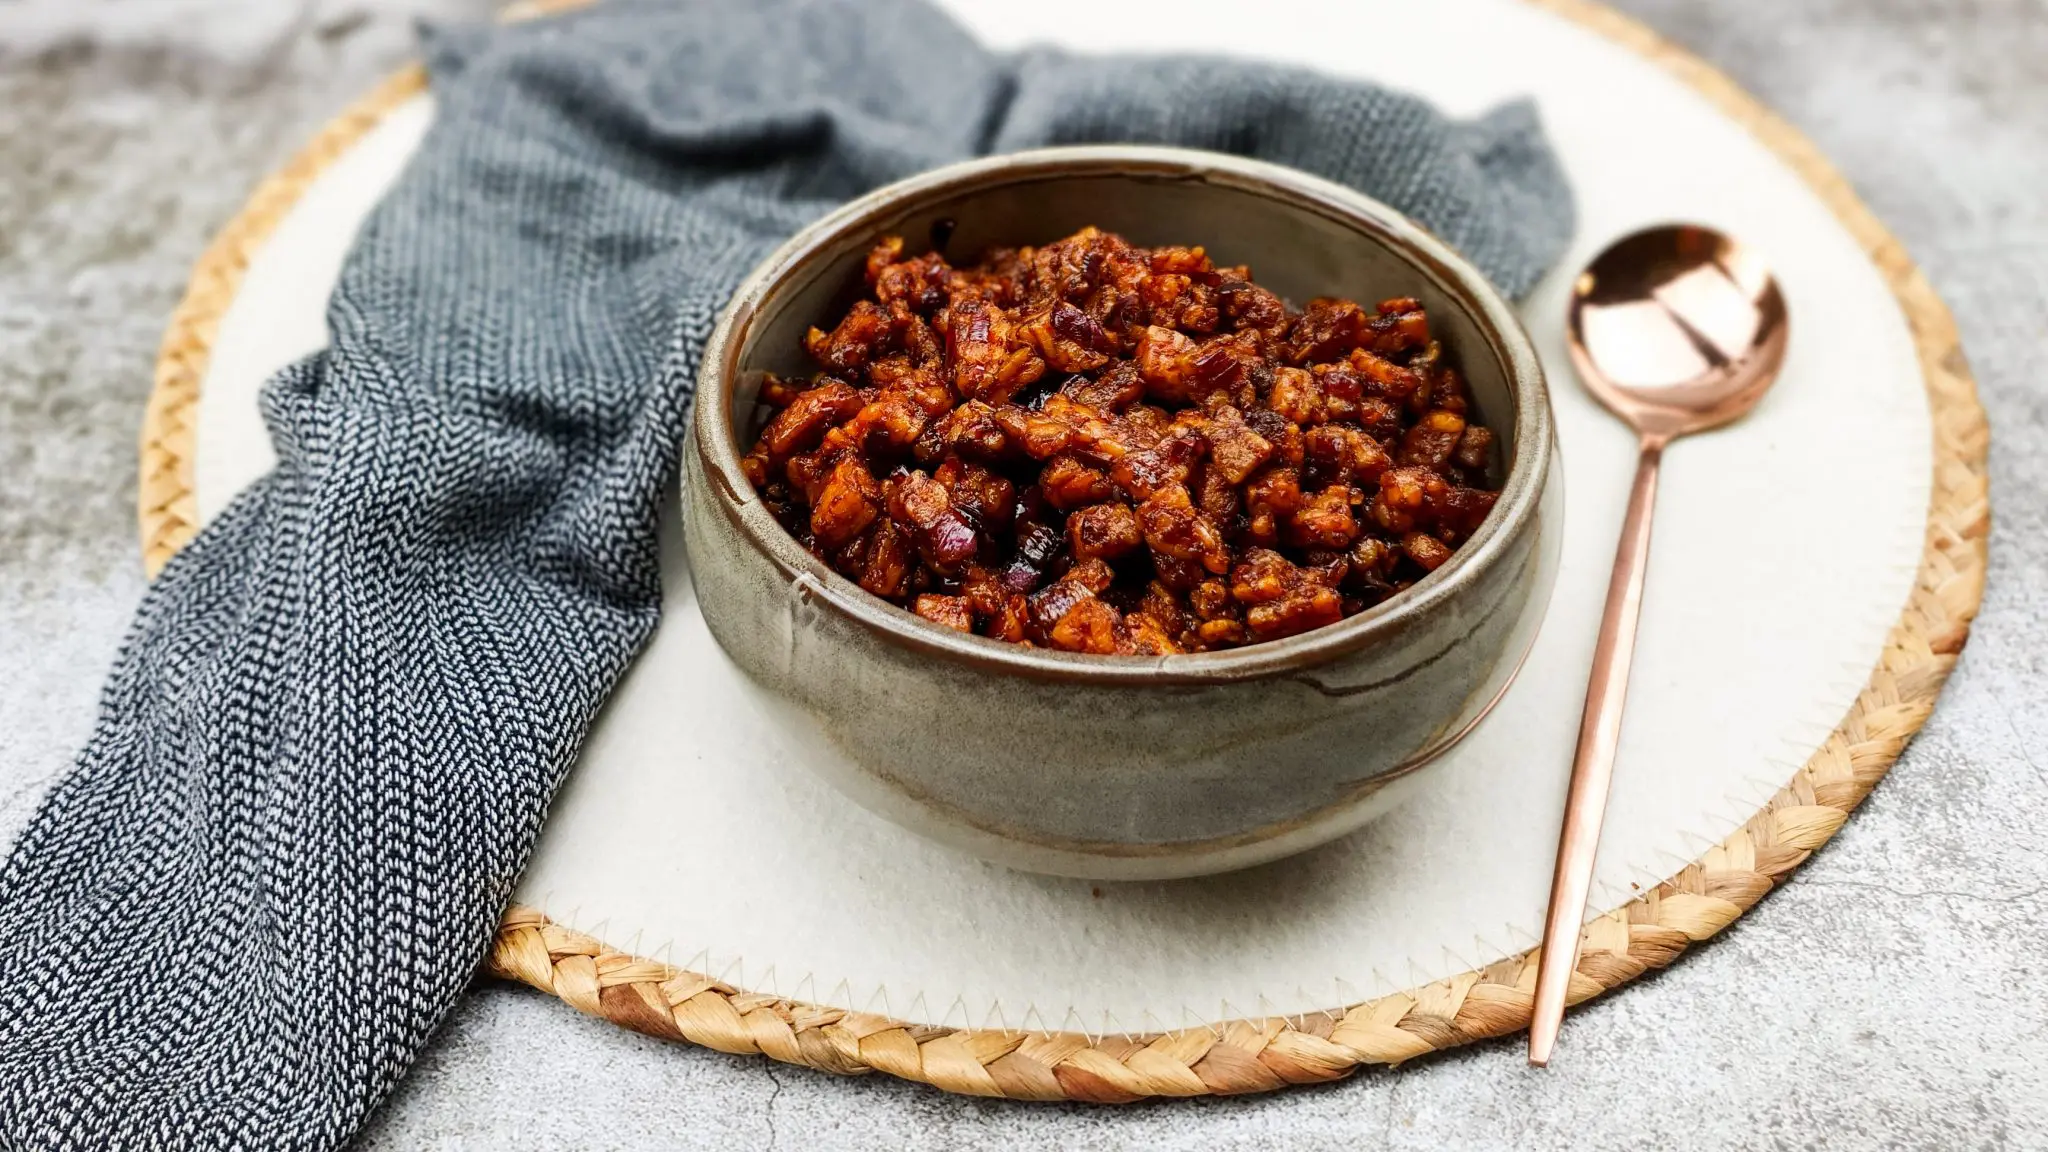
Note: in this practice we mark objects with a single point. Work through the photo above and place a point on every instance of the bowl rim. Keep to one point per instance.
(718, 453)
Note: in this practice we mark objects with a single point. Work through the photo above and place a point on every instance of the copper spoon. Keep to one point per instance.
(1675, 329)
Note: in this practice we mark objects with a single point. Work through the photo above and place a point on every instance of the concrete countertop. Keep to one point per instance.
(1891, 994)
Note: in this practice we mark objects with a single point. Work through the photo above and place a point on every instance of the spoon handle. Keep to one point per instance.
(1593, 763)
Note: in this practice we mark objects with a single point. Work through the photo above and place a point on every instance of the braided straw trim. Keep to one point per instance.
(1252, 1055)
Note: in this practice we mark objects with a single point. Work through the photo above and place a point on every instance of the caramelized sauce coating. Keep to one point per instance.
(1104, 448)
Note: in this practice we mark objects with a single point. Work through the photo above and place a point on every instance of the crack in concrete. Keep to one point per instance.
(2026, 896)
(768, 1109)
(2020, 739)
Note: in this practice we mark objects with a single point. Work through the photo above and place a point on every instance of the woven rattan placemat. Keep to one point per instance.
(1255, 1054)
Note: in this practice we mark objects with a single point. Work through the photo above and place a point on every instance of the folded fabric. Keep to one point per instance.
(325, 753)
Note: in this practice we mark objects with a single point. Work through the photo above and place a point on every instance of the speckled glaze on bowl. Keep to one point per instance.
(1122, 767)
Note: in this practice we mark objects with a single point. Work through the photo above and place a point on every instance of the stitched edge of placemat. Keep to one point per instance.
(1256, 1054)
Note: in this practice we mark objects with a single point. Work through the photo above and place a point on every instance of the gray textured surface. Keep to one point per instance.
(1891, 993)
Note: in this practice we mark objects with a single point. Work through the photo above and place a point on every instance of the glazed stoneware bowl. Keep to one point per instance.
(1126, 767)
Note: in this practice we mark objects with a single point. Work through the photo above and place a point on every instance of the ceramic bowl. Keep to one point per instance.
(1122, 767)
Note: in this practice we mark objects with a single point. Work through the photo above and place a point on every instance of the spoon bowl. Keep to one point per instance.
(1677, 329)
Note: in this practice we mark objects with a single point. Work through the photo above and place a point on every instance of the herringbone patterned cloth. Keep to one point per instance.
(330, 742)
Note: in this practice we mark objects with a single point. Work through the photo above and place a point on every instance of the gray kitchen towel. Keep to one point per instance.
(331, 739)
